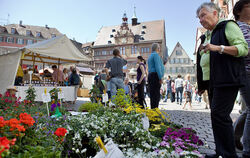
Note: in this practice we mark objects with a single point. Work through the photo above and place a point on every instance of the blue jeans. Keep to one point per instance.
(169, 92)
(115, 83)
(179, 92)
(245, 93)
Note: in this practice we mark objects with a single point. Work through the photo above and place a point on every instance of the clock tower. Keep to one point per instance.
(124, 34)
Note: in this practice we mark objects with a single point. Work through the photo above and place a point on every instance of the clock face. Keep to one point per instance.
(124, 32)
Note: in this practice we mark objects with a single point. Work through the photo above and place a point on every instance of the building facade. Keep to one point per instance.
(19, 35)
(131, 39)
(179, 63)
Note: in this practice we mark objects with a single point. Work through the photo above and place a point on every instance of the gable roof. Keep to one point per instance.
(178, 46)
(154, 30)
(46, 32)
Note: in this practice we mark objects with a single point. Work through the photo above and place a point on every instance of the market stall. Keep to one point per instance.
(55, 51)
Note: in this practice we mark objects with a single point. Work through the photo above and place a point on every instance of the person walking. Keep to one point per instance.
(188, 92)
(155, 75)
(74, 80)
(116, 79)
(173, 91)
(222, 65)
(168, 89)
(179, 89)
(141, 72)
(241, 13)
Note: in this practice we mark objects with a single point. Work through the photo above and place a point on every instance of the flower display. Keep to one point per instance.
(60, 132)
(26, 119)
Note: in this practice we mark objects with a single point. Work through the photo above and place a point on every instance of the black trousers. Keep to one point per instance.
(221, 103)
(140, 88)
(154, 89)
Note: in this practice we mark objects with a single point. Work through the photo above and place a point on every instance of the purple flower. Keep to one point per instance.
(58, 104)
(157, 151)
(178, 150)
(164, 143)
(53, 106)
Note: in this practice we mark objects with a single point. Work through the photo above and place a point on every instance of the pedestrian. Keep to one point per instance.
(222, 65)
(168, 89)
(155, 75)
(127, 87)
(141, 73)
(57, 75)
(241, 13)
(188, 91)
(179, 89)
(65, 77)
(116, 79)
(74, 80)
(173, 91)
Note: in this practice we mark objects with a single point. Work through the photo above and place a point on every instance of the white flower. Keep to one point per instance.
(83, 150)
(77, 151)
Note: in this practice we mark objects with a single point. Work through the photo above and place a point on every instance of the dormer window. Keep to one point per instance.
(53, 35)
(38, 34)
(144, 26)
(111, 36)
(109, 42)
(142, 38)
(143, 32)
(113, 30)
(13, 30)
(28, 32)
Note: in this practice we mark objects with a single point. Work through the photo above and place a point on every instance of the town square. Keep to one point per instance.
(124, 79)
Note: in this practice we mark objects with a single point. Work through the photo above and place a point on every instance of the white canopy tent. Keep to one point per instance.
(58, 50)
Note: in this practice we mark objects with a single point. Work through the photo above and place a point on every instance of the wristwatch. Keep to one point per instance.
(222, 47)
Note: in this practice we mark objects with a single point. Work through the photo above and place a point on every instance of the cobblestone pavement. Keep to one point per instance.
(198, 118)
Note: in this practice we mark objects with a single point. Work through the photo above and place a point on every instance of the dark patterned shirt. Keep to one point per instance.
(245, 28)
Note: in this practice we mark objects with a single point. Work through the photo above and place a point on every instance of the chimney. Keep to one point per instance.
(20, 22)
(47, 26)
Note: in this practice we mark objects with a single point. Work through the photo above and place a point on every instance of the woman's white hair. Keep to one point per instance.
(209, 7)
(155, 46)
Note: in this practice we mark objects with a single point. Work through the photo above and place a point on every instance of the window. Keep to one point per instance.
(38, 34)
(148, 50)
(143, 32)
(13, 30)
(178, 52)
(122, 50)
(177, 60)
(10, 39)
(141, 50)
(53, 35)
(28, 33)
(144, 26)
(181, 60)
(1, 39)
(170, 70)
(111, 36)
(29, 41)
(145, 50)
(20, 41)
(104, 52)
(109, 42)
(113, 30)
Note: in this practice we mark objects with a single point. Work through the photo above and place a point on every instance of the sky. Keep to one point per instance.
(82, 19)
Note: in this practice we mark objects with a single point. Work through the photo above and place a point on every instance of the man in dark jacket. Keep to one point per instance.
(222, 65)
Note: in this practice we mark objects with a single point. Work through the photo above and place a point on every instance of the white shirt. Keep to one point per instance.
(178, 82)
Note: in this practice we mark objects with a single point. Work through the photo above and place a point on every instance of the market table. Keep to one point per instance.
(69, 92)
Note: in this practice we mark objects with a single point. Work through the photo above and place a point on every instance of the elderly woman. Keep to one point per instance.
(222, 65)
(155, 76)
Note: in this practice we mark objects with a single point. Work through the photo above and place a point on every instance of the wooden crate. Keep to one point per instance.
(83, 92)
